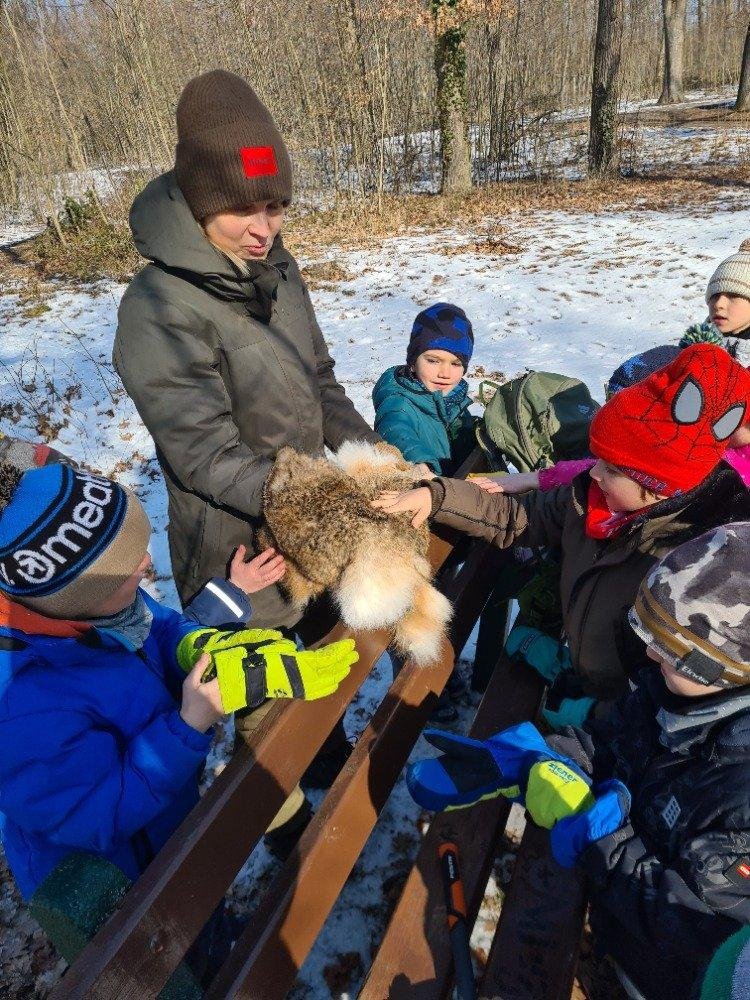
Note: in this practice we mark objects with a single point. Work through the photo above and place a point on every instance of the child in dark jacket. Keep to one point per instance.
(655, 483)
(663, 833)
(422, 407)
(101, 731)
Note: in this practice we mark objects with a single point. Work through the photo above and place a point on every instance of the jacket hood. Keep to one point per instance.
(395, 381)
(166, 233)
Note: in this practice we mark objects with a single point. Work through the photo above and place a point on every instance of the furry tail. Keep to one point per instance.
(376, 590)
(419, 633)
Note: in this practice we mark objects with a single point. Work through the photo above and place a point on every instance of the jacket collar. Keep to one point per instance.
(686, 722)
(16, 616)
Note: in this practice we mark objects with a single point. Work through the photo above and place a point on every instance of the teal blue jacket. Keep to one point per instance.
(425, 426)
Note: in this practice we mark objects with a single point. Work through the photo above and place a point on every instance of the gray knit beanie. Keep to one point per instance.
(732, 276)
(229, 151)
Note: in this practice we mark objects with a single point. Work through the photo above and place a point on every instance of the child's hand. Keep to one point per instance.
(262, 571)
(201, 702)
(417, 502)
(423, 470)
(514, 482)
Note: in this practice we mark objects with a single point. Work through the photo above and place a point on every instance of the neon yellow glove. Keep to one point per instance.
(254, 664)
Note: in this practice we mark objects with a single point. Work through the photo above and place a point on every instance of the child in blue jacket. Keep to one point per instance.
(101, 732)
(422, 407)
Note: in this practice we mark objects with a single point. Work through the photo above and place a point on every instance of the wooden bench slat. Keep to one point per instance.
(414, 959)
(137, 950)
(267, 957)
(535, 949)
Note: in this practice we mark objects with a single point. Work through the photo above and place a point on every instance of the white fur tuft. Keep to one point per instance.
(373, 593)
(353, 453)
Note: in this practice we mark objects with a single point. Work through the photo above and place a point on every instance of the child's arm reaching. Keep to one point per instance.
(501, 520)
(561, 474)
(223, 602)
(510, 483)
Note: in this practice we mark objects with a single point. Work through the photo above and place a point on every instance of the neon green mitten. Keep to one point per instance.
(555, 790)
(254, 664)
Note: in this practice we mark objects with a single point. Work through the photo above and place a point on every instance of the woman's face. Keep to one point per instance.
(247, 232)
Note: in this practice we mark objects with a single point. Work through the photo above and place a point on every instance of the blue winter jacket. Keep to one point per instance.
(425, 426)
(94, 755)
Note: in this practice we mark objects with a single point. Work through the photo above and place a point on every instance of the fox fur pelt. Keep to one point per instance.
(318, 515)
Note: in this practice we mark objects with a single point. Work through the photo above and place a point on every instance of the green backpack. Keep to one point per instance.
(535, 420)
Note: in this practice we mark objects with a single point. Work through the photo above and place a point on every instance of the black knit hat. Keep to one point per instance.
(68, 539)
(229, 151)
(640, 366)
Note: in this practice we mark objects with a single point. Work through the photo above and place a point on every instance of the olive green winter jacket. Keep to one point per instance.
(225, 369)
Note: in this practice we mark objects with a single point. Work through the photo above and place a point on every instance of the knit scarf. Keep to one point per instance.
(131, 626)
(258, 281)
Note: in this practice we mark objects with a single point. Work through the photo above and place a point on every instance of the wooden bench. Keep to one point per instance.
(144, 941)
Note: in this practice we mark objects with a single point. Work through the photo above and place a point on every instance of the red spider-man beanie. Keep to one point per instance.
(670, 430)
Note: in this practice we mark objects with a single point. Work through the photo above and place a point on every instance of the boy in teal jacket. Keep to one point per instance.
(422, 407)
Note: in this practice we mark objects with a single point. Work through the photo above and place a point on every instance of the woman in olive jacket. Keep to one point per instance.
(217, 342)
(218, 346)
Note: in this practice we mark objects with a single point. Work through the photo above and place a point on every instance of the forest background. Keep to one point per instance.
(88, 88)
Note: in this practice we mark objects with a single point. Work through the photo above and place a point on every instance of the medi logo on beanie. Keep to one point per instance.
(68, 540)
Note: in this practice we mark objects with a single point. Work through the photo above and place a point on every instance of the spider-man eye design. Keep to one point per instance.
(687, 405)
(727, 424)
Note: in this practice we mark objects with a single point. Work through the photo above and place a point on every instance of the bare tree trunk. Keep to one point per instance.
(743, 92)
(603, 152)
(673, 15)
(450, 67)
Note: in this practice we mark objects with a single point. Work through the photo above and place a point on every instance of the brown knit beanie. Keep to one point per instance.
(229, 151)
(68, 540)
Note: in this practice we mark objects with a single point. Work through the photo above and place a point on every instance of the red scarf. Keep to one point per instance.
(13, 615)
(600, 521)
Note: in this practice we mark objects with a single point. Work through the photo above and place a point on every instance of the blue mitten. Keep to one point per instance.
(569, 712)
(571, 835)
(509, 764)
(546, 655)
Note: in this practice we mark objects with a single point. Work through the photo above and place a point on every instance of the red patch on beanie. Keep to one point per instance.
(670, 430)
(259, 161)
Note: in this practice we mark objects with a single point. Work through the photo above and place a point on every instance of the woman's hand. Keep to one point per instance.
(515, 482)
(262, 571)
(416, 502)
(423, 470)
(201, 702)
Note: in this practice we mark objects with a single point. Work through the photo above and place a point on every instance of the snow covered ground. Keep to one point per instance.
(582, 293)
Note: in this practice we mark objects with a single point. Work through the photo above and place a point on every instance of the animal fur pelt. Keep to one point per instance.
(318, 515)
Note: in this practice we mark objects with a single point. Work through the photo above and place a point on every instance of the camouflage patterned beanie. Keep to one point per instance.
(694, 610)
